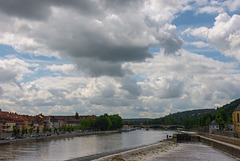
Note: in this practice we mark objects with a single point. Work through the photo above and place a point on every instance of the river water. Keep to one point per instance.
(68, 148)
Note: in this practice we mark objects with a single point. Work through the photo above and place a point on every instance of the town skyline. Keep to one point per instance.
(142, 59)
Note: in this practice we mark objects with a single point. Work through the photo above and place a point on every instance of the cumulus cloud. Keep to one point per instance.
(224, 35)
(65, 68)
(131, 86)
(13, 70)
(216, 6)
(168, 84)
(98, 36)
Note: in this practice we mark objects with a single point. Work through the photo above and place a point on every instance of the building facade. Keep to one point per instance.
(213, 127)
(236, 119)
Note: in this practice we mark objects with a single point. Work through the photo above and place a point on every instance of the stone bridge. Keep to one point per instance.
(158, 125)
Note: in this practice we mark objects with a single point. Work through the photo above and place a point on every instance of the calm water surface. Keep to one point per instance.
(67, 148)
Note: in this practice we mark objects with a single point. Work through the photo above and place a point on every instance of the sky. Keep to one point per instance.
(138, 59)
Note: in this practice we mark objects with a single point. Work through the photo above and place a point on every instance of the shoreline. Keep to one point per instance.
(55, 137)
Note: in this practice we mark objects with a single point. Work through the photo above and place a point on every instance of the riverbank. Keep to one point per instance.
(54, 137)
(171, 152)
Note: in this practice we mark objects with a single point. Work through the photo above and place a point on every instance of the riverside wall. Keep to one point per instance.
(226, 139)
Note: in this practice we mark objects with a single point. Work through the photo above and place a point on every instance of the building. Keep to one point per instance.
(236, 119)
(213, 127)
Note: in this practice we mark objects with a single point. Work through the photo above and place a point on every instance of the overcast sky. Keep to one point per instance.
(144, 58)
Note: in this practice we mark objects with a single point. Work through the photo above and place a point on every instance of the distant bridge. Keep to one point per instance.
(157, 125)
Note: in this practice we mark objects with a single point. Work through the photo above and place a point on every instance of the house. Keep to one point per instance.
(17, 119)
(236, 119)
(9, 123)
(213, 127)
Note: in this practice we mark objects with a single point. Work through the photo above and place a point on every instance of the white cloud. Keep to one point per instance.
(98, 41)
(198, 44)
(65, 68)
(109, 40)
(224, 35)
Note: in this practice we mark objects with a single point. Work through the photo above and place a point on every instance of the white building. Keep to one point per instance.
(213, 127)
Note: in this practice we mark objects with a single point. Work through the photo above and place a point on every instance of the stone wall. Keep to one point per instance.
(226, 139)
(226, 147)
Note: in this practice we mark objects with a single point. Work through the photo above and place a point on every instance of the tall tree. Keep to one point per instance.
(76, 115)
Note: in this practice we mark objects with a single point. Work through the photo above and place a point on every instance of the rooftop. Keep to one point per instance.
(238, 108)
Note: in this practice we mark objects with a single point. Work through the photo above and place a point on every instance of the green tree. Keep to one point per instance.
(204, 120)
(44, 130)
(219, 119)
(38, 130)
(16, 131)
(103, 122)
(87, 123)
(116, 121)
(30, 130)
(189, 122)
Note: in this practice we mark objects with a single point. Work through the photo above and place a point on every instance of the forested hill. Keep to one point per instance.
(201, 117)
(191, 113)
(228, 108)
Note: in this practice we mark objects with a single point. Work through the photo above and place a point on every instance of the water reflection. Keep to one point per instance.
(66, 148)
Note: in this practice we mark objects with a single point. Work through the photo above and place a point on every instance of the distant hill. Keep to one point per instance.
(191, 118)
(228, 108)
(179, 116)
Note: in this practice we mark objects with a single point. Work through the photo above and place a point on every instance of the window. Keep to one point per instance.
(238, 117)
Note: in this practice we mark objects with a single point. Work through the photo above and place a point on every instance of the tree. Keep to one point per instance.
(44, 130)
(116, 122)
(30, 130)
(38, 130)
(76, 115)
(16, 131)
(103, 122)
(204, 120)
(220, 121)
(87, 123)
(189, 122)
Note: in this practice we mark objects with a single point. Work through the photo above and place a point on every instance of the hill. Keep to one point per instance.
(200, 117)
(228, 108)
(191, 113)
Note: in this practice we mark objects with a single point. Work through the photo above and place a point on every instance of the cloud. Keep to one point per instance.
(98, 36)
(165, 85)
(1, 91)
(65, 68)
(216, 6)
(198, 44)
(131, 86)
(13, 71)
(31, 9)
(224, 35)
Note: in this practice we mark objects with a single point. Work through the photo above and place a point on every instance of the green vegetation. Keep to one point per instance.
(108, 122)
(103, 123)
(201, 117)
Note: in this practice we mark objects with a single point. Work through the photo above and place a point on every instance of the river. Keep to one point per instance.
(68, 148)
